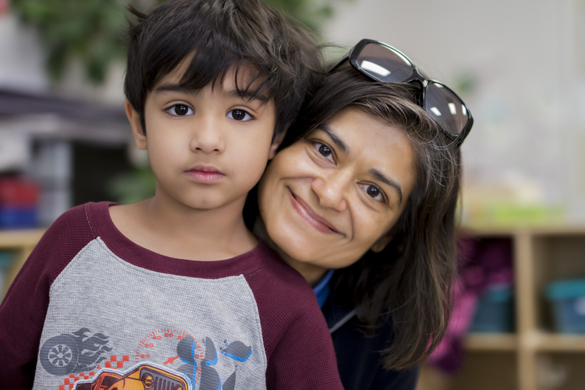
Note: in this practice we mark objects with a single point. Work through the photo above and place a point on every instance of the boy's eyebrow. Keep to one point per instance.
(175, 88)
(245, 94)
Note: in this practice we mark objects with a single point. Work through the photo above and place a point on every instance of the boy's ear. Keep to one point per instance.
(277, 141)
(137, 131)
(382, 242)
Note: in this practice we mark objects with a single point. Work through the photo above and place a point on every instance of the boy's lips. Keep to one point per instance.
(205, 173)
(310, 216)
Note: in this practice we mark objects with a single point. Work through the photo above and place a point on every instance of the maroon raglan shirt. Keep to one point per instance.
(91, 306)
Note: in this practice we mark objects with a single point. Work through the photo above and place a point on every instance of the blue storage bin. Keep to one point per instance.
(568, 305)
(494, 312)
(13, 217)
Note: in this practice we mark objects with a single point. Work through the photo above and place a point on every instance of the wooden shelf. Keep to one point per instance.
(491, 342)
(551, 342)
(540, 256)
(14, 239)
(21, 242)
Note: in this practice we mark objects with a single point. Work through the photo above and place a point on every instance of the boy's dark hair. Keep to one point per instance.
(410, 280)
(220, 34)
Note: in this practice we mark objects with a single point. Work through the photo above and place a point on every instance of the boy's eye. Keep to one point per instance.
(180, 110)
(239, 115)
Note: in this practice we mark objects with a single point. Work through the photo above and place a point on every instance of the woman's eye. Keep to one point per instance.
(180, 110)
(239, 115)
(324, 150)
(373, 192)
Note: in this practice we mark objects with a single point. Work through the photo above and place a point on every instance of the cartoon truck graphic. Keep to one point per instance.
(143, 377)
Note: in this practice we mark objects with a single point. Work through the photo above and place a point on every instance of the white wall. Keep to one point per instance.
(21, 56)
(527, 58)
(22, 67)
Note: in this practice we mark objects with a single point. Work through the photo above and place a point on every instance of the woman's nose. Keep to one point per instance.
(331, 190)
(207, 136)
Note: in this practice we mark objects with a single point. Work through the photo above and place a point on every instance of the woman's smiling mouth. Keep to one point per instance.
(310, 216)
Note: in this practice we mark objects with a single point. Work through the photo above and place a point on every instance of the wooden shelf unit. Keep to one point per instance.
(534, 357)
(20, 243)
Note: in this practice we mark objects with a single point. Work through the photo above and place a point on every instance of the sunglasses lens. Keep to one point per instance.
(384, 64)
(444, 106)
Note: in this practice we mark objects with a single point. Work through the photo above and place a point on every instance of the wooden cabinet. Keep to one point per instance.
(21, 244)
(534, 357)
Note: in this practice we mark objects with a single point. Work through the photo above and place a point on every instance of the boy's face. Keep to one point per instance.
(207, 148)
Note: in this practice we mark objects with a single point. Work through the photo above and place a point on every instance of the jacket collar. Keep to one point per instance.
(336, 314)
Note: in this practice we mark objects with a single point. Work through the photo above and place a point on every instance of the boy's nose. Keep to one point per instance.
(207, 137)
(331, 190)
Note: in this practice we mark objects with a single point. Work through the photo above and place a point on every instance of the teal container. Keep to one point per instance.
(5, 261)
(494, 312)
(567, 298)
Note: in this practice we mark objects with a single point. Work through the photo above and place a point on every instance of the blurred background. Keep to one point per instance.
(520, 67)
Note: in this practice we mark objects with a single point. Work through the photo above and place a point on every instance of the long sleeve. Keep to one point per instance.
(298, 345)
(304, 358)
(23, 310)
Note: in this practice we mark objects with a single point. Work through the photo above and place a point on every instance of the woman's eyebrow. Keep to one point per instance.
(380, 176)
(340, 144)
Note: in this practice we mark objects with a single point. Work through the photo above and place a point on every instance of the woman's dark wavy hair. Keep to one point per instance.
(409, 281)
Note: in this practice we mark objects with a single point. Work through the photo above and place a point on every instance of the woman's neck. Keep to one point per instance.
(310, 272)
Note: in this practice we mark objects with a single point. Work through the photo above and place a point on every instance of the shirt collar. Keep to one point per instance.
(321, 290)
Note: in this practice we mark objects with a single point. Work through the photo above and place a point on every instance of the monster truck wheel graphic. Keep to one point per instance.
(59, 355)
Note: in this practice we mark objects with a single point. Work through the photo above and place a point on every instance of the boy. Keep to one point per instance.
(173, 292)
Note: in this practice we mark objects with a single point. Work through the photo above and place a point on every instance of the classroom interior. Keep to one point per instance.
(519, 315)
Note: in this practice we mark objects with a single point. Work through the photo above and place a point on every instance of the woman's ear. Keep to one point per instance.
(137, 130)
(382, 242)
(277, 141)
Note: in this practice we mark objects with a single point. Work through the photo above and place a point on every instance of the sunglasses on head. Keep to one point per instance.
(385, 64)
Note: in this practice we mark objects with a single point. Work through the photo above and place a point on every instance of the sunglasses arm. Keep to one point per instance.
(339, 63)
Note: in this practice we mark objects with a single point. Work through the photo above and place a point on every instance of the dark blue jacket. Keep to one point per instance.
(358, 357)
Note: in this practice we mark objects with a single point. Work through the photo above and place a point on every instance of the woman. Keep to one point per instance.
(366, 183)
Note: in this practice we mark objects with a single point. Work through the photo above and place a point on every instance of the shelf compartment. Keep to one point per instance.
(487, 371)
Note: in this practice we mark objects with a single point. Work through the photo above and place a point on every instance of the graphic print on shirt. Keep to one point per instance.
(140, 377)
(78, 359)
(74, 353)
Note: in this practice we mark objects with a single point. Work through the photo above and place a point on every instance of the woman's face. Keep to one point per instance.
(331, 196)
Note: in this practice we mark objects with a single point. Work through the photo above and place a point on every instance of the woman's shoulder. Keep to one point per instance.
(279, 278)
(359, 353)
